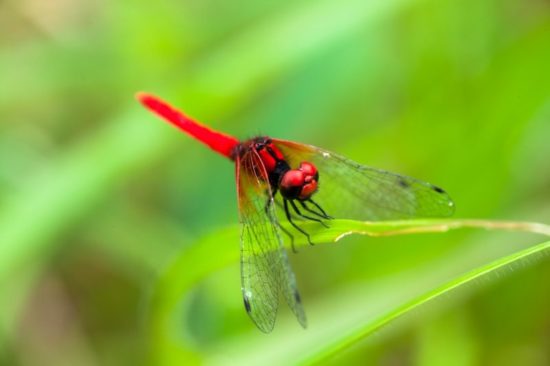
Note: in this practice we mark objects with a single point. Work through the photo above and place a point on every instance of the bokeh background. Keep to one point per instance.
(99, 200)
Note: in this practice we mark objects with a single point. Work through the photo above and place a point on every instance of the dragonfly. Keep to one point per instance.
(283, 180)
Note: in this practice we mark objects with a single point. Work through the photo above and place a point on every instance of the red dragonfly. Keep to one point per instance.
(279, 178)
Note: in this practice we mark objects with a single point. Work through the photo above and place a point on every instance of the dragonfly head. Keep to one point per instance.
(300, 183)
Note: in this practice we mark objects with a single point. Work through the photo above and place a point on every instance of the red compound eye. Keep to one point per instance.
(299, 184)
(308, 190)
(308, 169)
(293, 179)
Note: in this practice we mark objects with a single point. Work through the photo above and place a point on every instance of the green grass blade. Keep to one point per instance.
(184, 274)
(345, 341)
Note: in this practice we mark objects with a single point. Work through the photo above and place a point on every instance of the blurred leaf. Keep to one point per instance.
(60, 195)
(457, 348)
(456, 92)
(206, 256)
(338, 343)
(54, 200)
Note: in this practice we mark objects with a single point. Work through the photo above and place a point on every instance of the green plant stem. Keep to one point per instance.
(365, 330)
(436, 226)
(183, 274)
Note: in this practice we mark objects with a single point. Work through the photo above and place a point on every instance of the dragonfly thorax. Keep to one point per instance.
(294, 184)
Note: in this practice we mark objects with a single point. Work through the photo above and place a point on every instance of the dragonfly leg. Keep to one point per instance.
(321, 215)
(305, 216)
(267, 206)
(291, 213)
(320, 209)
(289, 218)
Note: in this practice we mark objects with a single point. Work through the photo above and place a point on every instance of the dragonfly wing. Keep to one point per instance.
(265, 270)
(350, 190)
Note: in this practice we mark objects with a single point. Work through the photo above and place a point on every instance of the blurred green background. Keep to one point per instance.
(98, 197)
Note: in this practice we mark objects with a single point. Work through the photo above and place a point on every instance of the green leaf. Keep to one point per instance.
(344, 341)
(184, 274)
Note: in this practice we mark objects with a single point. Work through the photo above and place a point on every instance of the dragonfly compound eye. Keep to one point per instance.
(296, 184)
(292, 183)
(308, 190)
(309, 170)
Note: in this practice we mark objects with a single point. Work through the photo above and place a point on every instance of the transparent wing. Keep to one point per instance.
(350, 190)
(265, 270)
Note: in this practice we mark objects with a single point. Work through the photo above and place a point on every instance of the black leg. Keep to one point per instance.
(267, 205)
(291, 213)
(305, 216)
(289, 218)
(289, 235)
(303, 204)
(320, 209)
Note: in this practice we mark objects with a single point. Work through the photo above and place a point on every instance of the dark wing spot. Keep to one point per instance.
(403, 183)
(297, 297)
(437, 189)
(247, 304)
